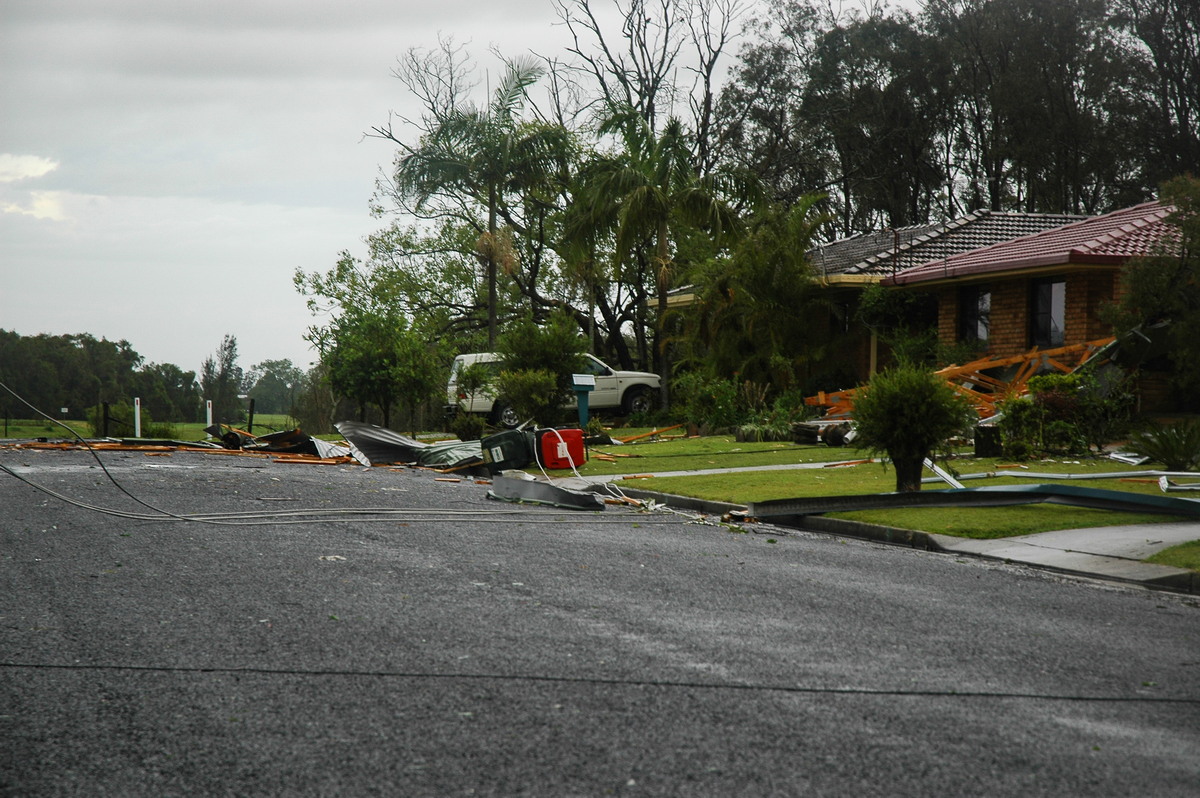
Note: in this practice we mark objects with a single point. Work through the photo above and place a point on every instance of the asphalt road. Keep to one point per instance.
(489, 649)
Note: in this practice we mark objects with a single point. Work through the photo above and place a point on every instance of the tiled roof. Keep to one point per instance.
(882, 253)
(838, 257)
(979, 229)
(1110, 239)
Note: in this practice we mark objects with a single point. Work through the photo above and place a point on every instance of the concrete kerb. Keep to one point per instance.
(1156, 577)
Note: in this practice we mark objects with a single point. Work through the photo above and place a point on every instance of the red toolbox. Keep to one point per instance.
(559, 448)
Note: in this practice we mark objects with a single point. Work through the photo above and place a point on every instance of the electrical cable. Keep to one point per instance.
(330, 515)
(286, 517)
(89, 447)
(614, 682)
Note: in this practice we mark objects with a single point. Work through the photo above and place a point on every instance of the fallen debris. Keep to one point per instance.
(650, 434)
(292, 441)
(374, 445)
(1165, 485)
(987, 380)
(522, 488)
(991, 496)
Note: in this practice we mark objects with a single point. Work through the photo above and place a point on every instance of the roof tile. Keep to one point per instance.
(1111, 238)
(885, 252)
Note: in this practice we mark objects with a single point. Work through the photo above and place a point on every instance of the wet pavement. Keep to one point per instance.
(340, 630)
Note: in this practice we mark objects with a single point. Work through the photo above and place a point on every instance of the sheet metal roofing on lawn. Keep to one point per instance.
(881, 253)
(1107, 240)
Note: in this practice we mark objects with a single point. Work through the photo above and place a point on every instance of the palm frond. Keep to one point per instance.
(521, 73)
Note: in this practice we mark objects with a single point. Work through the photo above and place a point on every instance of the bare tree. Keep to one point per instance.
(635, 57)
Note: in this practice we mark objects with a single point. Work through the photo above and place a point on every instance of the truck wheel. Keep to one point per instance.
(504, 416)
(637, 399)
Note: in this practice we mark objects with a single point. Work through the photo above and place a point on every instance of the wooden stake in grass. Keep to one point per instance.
(649, 434)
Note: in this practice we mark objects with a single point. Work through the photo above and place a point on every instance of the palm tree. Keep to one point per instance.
(645, 192)
(755, 310)
(480, 158)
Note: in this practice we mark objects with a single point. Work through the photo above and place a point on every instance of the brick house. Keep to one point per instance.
(848, 265)
(1042, 290)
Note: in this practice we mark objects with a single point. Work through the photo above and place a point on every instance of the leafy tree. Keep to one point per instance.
(1165, 289)
(1040, 128)
(1004, 104)
(908, 412)
(1170, 33)
(72, 371)
(483, 158)
(315, 403)
(878, 88)
(759, 114)
(416, 274)
(537, 361)
(648, 191)
(221, 382)
(273, 385)
(755, 310)
(906, 321)
(379, 359)
(168, 392)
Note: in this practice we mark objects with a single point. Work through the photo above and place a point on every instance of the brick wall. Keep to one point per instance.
(1086, 293)
(947, 300)
(1009, 333)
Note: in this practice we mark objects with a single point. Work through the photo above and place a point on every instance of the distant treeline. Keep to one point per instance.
(79, 371)
(76, 372)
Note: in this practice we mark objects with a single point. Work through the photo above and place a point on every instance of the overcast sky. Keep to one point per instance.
(165, 167)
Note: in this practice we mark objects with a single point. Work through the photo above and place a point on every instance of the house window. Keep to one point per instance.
(974, 313)
(1048, 314)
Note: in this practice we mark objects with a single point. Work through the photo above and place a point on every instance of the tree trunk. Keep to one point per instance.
(663, 279)
(908, 473)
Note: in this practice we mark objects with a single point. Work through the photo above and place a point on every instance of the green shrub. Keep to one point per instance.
(709, 402)
(1020, 428)
(532, 393)
(555, 347)
(909, 413)
(1176, 446)
(474, 379)
(468, 426)
(1066, 414)
(775, 423)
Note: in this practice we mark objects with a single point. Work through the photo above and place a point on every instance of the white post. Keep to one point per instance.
(208, 416)
(137, 417)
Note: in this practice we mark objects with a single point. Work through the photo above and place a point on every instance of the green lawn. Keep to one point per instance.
(1185, 555)
(867, 478)
(192, 431)
(22, 428)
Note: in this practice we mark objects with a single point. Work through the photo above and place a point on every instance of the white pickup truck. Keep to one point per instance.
(628, 391)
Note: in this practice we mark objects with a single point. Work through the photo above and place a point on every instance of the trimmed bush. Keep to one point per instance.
(909, 413)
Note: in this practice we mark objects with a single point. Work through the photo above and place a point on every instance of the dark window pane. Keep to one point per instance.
(1048, 315)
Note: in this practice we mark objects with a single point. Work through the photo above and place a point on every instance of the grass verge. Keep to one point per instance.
(970, 522)
(1185, 555)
